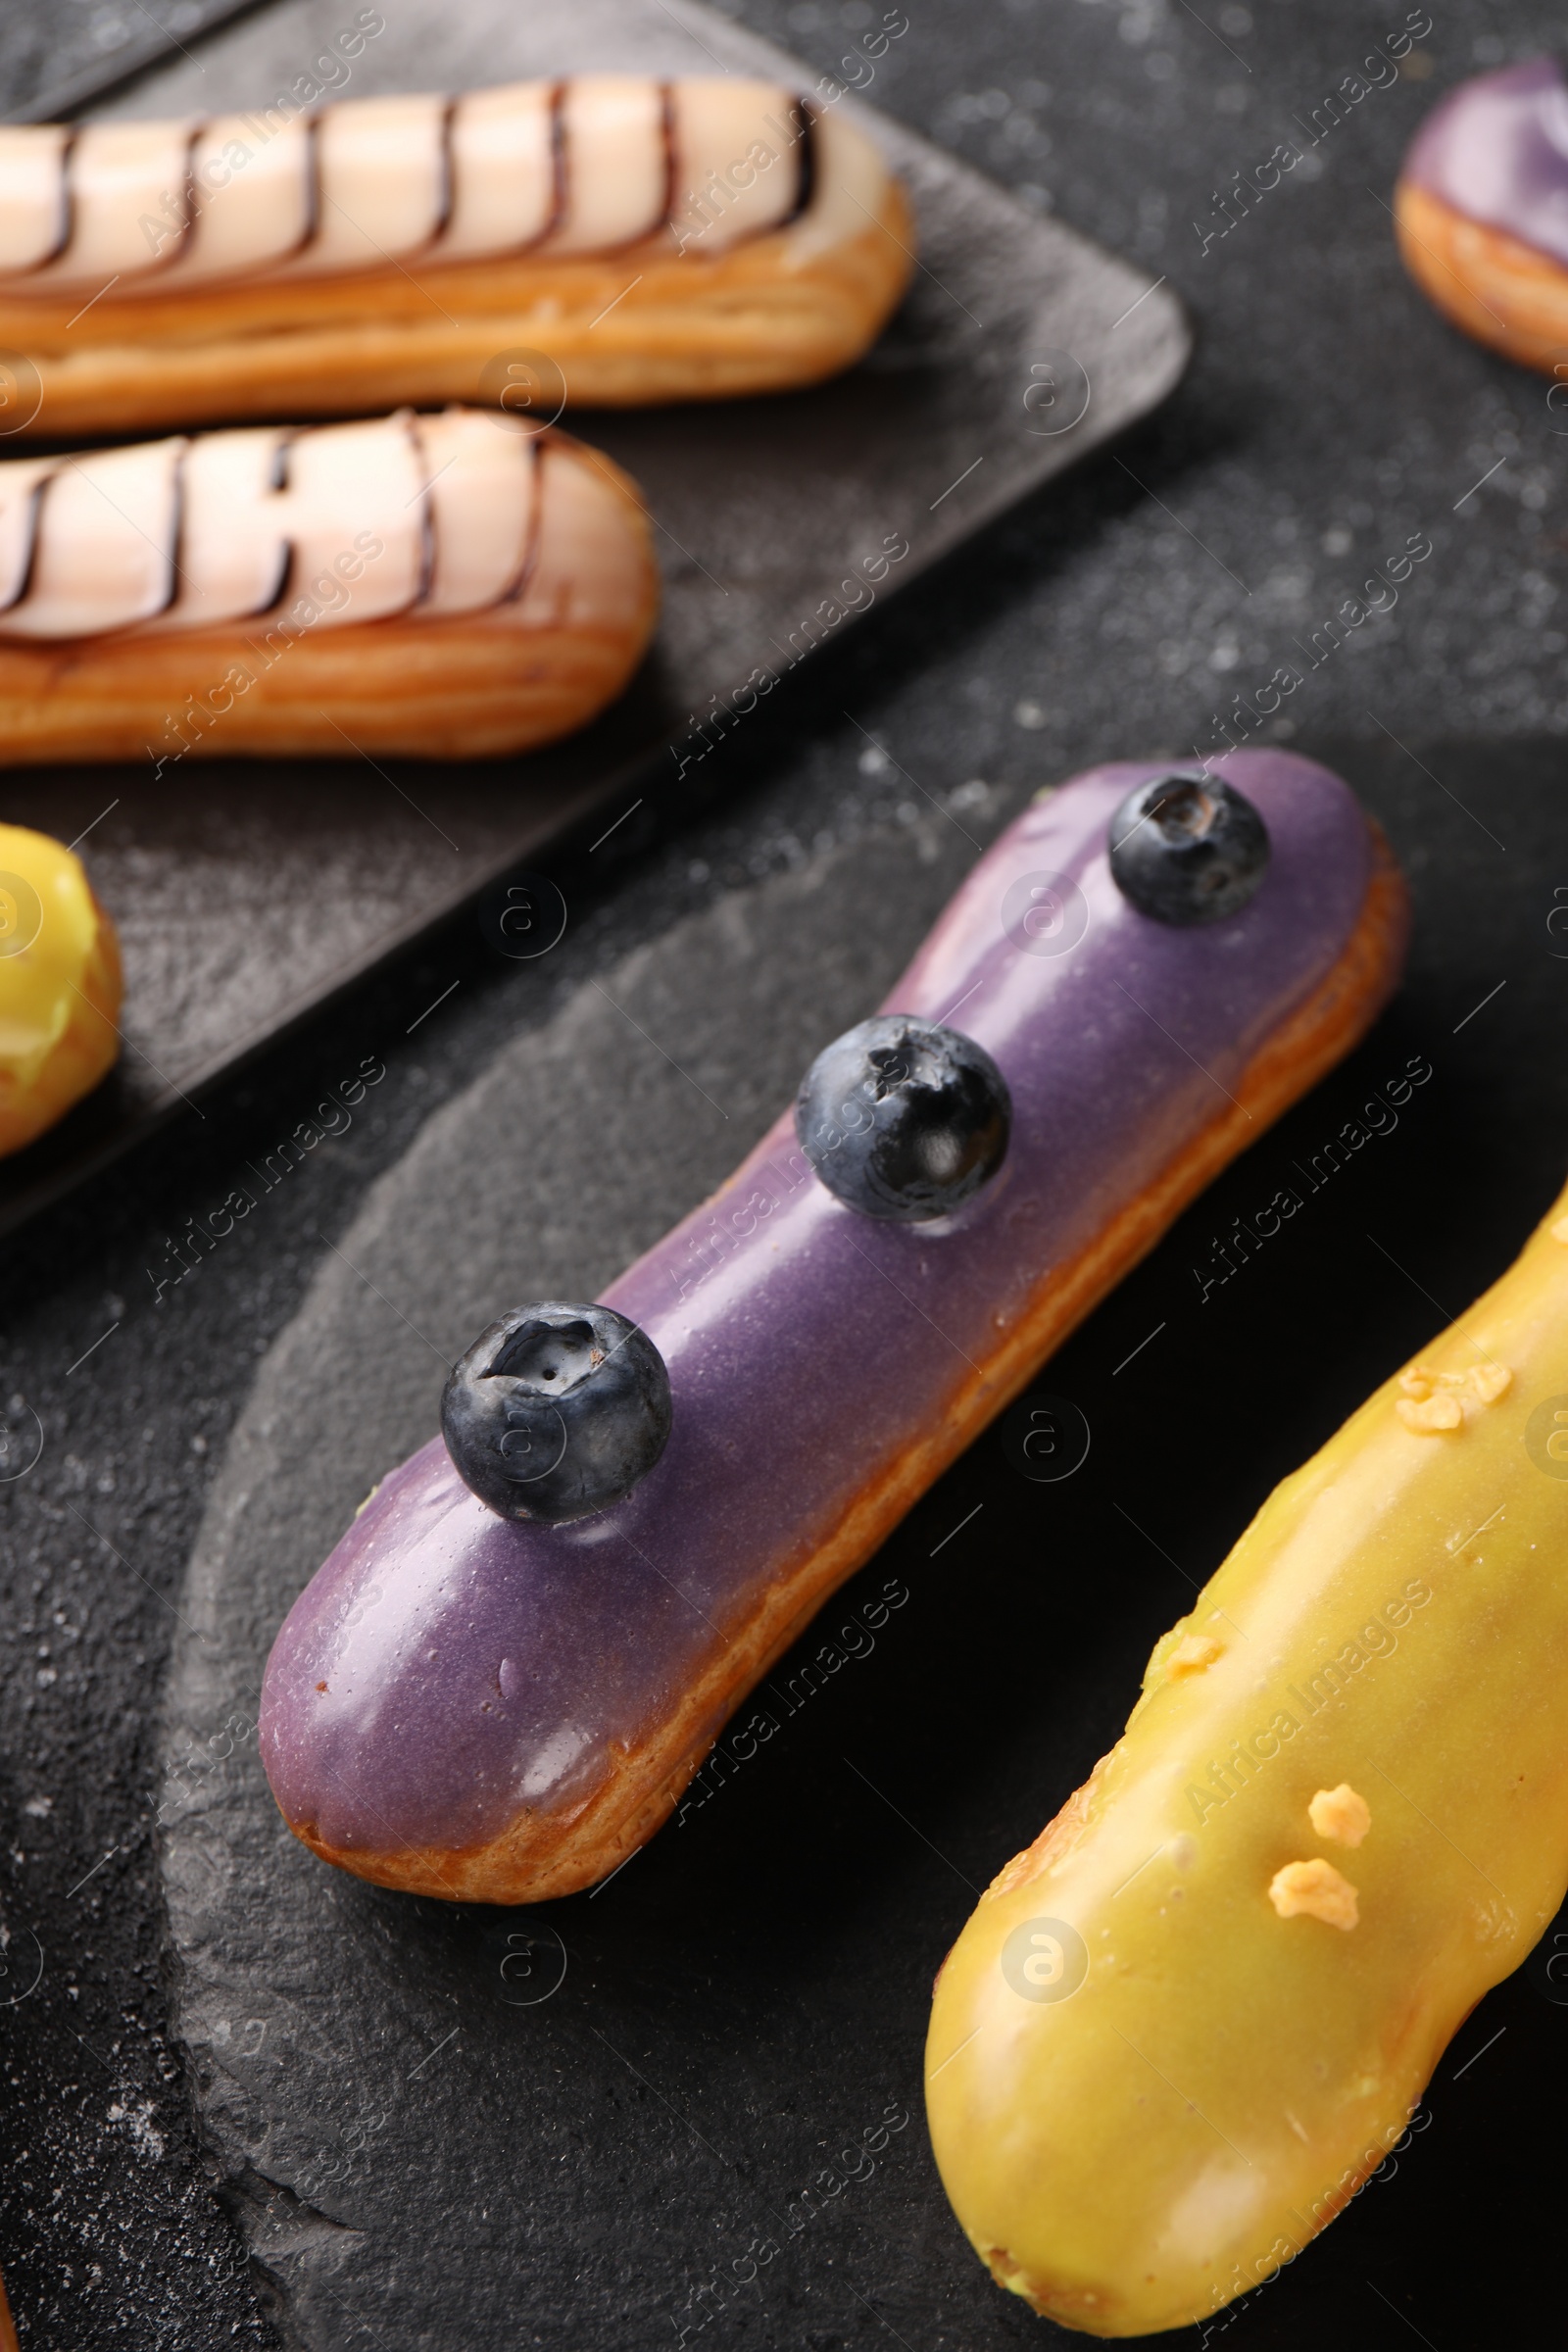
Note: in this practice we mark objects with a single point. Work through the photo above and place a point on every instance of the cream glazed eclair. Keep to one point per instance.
(444, 586)
(508, 1669)
(653, 240)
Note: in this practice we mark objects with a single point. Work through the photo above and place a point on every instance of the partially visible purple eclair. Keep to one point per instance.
(1482, 207)
(524, 1704)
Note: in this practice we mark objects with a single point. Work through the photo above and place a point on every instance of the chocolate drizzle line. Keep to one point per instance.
(65, 219)
(427, 539)
(176, 528)
(447, 168)
(180, 242)
(24, 587)
(278, 479)
(68, 194)
(559, 165)
(312, 228)
(667, 131)
(803, 123)
(528, 561)
(285, 580)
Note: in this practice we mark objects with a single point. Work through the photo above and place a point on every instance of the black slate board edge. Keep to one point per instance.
(52, 1183)
(123, 66)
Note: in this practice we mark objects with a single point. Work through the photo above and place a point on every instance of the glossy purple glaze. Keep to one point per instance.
(1496, 149)
(473, 1666)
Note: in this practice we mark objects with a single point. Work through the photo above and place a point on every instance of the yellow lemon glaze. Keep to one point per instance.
(60, 985)
(1148, 2088)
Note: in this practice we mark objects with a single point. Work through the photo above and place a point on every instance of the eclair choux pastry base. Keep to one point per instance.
(1492, 285)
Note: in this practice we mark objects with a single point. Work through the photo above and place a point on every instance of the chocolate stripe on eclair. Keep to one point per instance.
(560, 164)
(668, 133)
(278, 479)
(181, 238)
(528, 561)
(30, 562)
(428, 537)
(176, 529)
(66, 232)
(803, 130)
(313, 183)
(288, 554)
(312, 228)
(446, 200)
(65, 219)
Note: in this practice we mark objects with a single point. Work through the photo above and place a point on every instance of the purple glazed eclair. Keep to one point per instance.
(525, 1702)
(1482, 207)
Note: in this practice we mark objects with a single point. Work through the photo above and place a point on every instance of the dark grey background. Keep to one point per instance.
(1328, 416)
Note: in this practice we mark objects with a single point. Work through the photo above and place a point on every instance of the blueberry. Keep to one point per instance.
(904, 1119)
(556, 1411)
(1188, 849)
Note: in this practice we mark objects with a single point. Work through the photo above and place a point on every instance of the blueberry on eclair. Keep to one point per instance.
(1188, 849)
(902, 1119)
(555, 1411)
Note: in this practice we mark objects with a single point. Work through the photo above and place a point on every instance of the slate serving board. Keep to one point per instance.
(581, 2125)
(248, 891)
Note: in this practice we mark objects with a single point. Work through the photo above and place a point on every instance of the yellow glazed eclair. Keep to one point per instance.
(652, 240)
(1188, 2022)
(59, 991)
(446, 585)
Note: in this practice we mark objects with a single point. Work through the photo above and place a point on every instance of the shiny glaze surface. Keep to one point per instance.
(1496, 149)
(445, 1670)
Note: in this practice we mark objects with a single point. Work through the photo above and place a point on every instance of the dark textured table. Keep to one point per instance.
(1328, 418)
